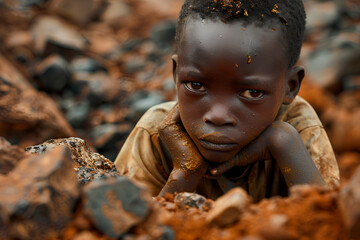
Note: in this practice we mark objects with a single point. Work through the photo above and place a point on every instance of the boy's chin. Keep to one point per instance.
(217, 157)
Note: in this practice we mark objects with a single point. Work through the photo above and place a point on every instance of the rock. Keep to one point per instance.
(342, 128)
(278, 220)
(351, 7)
(321, 15)
(50, 30)
(25, 112)
(302, 191)
(85, 235)
(71, 9)
(351, 83)
(20, 44)
(163, 34)
(86, 65)
(116, 13)
(100, 87)
(331, 62)
(349, 203)
(78, 114)
(228, 208)
(9, 156)
(168, 233)
(115, 205)
(134, 65)
(108, 138)
(141, 101)
(131, 44)
(39, 196)
(53, 73)
(87, 164)
(348, 162)
(187, 200)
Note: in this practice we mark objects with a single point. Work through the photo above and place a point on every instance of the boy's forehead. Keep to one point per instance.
(233, 39)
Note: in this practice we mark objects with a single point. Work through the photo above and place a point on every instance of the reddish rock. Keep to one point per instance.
(348, 163)
(229, 208)
(87, 164)
(51, 30)
(116, 204)
(38, 197)
(9, 156)
(71, 9)
(349, 202)
(116, 13)
(26, 113)
(342, 126)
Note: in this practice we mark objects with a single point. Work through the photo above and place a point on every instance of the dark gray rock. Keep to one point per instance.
(141, 101)
(163, 34)
(53, 74)
(115, 205)
(329, 64)
(86, 65)
(78, 114)
(168, 233)
(134, 65)
(108, 137)
(321, 15)
(131, 44)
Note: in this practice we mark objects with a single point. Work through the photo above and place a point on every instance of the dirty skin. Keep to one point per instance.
(188, 164)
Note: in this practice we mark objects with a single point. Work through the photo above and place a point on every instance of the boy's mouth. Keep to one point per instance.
(217, 142)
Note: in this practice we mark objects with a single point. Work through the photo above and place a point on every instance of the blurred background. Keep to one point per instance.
(91, 68)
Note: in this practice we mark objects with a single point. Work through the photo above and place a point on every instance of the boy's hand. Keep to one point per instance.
(257, 150)
(188, 164)
(282, 143)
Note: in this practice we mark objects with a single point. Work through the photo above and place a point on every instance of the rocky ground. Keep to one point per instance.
(92, 75)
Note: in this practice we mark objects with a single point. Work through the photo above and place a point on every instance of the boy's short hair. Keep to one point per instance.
(290, 13)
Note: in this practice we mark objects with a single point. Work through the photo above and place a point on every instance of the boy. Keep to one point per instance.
(238, 120)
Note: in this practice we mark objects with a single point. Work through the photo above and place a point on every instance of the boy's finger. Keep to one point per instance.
(222, 168)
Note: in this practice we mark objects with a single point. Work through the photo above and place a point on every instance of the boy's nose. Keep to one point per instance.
(219, 115)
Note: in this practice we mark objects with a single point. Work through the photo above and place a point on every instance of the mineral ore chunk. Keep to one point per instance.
(228, 208)
(38, 197)
(115, 205)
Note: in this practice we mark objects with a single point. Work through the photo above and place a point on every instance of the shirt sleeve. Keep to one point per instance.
(303, 117)
(321, 152)
(141, 159)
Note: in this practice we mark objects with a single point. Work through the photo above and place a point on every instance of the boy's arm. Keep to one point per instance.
(282, 143)
(188, 165)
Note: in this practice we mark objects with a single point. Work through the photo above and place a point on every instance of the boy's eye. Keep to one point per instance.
(252, 94)
(195, 86)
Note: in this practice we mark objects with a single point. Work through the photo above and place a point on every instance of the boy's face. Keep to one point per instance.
(231, 81)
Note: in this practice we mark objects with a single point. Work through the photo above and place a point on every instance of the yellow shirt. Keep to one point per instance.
(145, 159)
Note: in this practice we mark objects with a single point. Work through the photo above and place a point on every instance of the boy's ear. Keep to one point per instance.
(293, 82)
(175, 62)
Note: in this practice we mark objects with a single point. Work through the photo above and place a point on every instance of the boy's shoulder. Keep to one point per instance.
(151, 120)
(300, 114)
